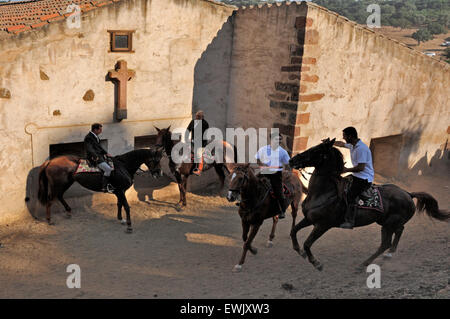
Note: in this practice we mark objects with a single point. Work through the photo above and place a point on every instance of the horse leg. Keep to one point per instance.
(123, 200)
(397, 235)
(317, 231)
(185, 178)
(247, 246)
(245, 229)
(386, 238)
(66, 206)
(49, 220)
(302, 224)
(272, 233)
(294, 210)
(119, 210)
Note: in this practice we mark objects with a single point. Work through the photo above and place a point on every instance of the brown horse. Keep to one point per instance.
(324, 207)
(183, 170)
(58, 174)
(257, 203)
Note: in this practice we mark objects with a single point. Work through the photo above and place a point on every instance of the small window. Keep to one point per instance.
(144, 141)
(121, 40)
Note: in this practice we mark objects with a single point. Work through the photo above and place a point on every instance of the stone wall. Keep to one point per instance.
(53, 82)
(357, 77)
(264, 78)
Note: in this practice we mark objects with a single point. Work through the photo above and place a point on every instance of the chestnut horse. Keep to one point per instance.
(324, 207)
(58, 174)
(183, 170)
(257, 204)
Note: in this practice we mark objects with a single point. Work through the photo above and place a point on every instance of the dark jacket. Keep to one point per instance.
(94, 151)
(190, 129)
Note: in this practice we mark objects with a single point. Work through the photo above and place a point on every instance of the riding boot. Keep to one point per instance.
(283, 207)
(349, 217)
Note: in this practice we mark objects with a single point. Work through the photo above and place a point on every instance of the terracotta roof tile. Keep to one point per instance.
(22, 16)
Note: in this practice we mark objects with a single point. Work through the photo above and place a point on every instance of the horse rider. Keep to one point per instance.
(362, 171)
(199, 124)
(274, 156)
(96, 155)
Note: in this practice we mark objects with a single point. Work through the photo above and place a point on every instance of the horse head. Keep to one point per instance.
(239, 178)
(163, 137)
(152, 160)
(314, 156)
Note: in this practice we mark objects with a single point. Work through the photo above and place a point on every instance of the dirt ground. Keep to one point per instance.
(404, 36)
(190, 254)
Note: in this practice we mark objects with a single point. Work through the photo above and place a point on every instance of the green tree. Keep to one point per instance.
(447, 53)
(422, 35)
(436, 28)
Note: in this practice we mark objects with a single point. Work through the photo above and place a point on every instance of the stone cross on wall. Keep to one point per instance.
(122, 75)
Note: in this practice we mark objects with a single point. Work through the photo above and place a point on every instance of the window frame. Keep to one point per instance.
(112, 40)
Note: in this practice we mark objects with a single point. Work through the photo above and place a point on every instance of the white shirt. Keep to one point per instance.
(273, 158)
(362, 154)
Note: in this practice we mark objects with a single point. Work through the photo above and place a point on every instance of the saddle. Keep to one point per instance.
(370, 198)
(85, 167)
(287, 191)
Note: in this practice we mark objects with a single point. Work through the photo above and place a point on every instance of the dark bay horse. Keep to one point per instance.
(257, 204)
(183, 170)
(324, 207)
(58, 174)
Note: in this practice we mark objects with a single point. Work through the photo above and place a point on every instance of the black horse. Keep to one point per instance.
(324, 207)
(58, 174)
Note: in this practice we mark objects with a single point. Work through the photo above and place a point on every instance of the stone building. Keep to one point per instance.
(133, 64)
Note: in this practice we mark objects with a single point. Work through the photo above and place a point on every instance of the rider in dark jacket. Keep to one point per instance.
(96, 155)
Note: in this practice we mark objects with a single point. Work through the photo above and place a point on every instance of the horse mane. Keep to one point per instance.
(136, 154)
(338, 159)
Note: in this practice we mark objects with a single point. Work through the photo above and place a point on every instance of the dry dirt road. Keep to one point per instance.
(190, 254)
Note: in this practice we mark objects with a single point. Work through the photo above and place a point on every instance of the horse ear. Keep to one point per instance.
(157, 128)
(169, 127)
(332, 141)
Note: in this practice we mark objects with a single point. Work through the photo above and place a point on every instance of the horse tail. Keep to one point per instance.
(427, 203)
(43, 184)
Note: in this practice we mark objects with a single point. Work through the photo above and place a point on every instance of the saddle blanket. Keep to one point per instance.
(83, 167)
(370, 199)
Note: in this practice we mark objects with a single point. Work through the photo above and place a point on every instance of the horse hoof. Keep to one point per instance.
(51, 223)
(269, 244)
(387, 255)
(123, 222)
(68, 215)
(254, 251)
(318, 265)
(129, 230)
(237, 268)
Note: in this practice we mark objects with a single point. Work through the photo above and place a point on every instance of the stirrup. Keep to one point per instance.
(110, 189)
(346, 225)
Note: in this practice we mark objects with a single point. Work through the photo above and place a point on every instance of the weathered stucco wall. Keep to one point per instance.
(263, 43)
(212, 78)
(381, 87)
(45, 73)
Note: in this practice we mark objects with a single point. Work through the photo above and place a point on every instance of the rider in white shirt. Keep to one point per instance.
(362, 171)
(274, 157)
